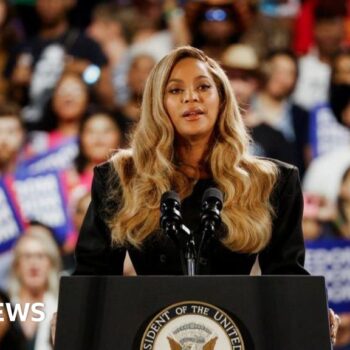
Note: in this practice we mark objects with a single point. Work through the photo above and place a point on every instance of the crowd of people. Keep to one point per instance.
(71, 85)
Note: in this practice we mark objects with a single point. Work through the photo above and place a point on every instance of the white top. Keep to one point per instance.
(43, 335)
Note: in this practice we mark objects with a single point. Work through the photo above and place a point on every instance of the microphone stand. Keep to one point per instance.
(207, 235)
(171, 223)
(210, 219)
(190, 251)
(188, 247)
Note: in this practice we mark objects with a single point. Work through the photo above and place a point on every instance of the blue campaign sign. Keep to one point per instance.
(325, 133)
(58, 158)
(10, 220)
(42, 197)
(331, 258)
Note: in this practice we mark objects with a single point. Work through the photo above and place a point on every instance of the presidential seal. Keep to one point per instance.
(192, 325)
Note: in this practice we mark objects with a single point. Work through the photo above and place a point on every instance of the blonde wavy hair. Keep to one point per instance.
(148, 168)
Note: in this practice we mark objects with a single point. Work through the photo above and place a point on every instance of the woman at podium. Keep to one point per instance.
(191, 137)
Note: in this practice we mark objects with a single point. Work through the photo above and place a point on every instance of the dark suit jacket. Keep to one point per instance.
(159, 255)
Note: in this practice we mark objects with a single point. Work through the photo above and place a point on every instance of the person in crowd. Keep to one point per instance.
(9, 37)
(340, 87)
(63, 115)
(214, 26)
(343, 201)
(273, 105)
(326, 133)
(315, 67)
(140, 67)
(69, 103)
(304, 22)
(12, 138)
(271, 25)
(38, 63)
(158, 27)
(99, 136)
(343, 225)
(241, 64)
(11, 336)
(107, 28)
(328, 175)
(162, 21)
(324, 174)
(35, 278)
(326, 219)
(318, 218)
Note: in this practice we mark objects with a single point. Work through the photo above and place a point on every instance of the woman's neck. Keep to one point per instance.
(52, 32)
(69, 128)
(31, 295)
(270, 101)
(8, 166)
(191, 158)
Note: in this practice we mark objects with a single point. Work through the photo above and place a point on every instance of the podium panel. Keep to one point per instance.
(201, 313)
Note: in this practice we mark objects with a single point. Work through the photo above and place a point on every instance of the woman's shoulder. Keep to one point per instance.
(103, 169)
(287, 182)
(287, 176)
(121, 162)
(283, 168)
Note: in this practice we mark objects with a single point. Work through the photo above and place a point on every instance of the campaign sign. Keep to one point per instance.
(58, 158)
(10, 220)
(330, 258)
(325, 133)
(42, 198)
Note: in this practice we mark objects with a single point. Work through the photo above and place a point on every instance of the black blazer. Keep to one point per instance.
(159, 255)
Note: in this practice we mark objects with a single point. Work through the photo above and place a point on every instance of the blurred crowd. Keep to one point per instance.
(71, 83)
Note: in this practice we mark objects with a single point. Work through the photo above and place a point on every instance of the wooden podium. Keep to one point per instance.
(134, 313)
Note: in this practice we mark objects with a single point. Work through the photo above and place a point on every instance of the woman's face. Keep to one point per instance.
(34, 265)
(70, 98)
(342, 70)
(192, 100)
(11, 139)
(100, 135)
(282, 77)
(138, 74)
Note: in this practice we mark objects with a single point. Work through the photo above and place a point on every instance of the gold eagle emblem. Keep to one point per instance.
(174, 345)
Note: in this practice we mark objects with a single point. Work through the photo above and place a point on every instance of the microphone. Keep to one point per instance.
(211, 207)
(171, 224)
(212, 202)
(171, 218)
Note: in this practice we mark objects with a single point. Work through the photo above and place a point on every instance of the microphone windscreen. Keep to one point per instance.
(212, 193)
(172, 195)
